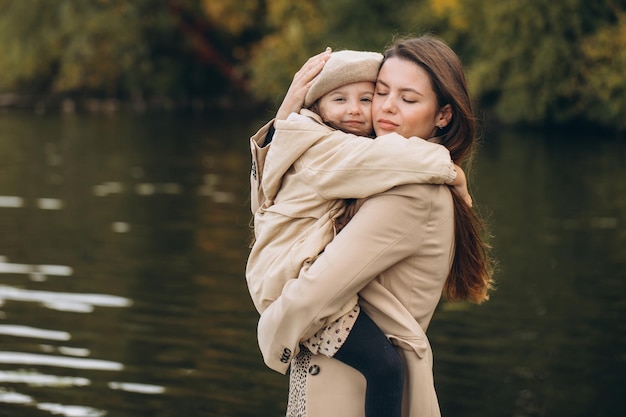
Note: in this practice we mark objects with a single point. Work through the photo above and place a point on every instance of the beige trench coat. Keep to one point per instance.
(404, 238)
(307, 173)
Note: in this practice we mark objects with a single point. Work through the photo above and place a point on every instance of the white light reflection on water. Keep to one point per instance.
(207, 189)
(135, 387)
(26, 331)
(71, 410)
(158, 188)
(49, 203)
(109, 187)
(143, 188)
(11, 201)
(19, 358)
(66, 350)
(74, 351)
(36, 379)
(36, 272)
(10, 397)
(74, 302)
(120, 227)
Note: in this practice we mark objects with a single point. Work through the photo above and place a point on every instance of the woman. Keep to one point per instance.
(312, 168)
(416, 240)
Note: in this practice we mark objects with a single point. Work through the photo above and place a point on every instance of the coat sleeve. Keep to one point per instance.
(258, 153)
(357, 167)
(386, 229)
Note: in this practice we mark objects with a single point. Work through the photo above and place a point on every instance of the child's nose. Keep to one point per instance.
(354, 108)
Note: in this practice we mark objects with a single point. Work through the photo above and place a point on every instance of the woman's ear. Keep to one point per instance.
(444, 116)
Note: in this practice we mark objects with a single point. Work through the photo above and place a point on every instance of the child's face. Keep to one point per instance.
(349, 108)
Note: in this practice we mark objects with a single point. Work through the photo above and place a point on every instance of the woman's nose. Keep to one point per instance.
(388, 104)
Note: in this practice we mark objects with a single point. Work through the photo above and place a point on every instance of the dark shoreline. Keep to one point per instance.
(69, 105)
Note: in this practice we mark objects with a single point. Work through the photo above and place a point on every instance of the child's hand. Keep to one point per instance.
(460, 185)
(464, 193)
(302, 80)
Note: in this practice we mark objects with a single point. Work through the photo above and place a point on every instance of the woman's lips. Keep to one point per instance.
(387, 124)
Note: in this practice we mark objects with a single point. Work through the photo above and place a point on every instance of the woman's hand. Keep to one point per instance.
(302, 81)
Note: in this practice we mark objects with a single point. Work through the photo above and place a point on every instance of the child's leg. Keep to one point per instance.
(368, 350)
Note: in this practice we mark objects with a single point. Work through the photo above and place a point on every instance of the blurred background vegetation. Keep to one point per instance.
(536, 62)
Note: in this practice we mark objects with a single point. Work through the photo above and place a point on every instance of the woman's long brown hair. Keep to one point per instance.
(471, 275)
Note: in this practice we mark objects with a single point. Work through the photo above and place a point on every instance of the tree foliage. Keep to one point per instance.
(113, 48)
(530, 61)
(539, 61)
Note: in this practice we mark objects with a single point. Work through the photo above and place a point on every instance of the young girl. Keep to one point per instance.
(309, 172)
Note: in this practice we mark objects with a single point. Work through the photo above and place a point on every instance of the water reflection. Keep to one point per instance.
(36, 272)
(123, 241)
(549, 342)
(11, 201)
(78, 303)
(26, 331)
(59, 361)
(39, 380)
(131, 233)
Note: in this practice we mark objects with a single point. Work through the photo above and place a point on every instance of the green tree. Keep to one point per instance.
(539, 61)
(293, 31)
(111, 48)
(603, 97)
(528, 61)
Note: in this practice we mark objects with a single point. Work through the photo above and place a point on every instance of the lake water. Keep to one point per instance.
(123, 242)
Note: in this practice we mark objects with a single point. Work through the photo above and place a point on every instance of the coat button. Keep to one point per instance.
(314, 369)
(284, 358)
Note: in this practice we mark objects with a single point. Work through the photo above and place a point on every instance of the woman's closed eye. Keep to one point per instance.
(410, 98)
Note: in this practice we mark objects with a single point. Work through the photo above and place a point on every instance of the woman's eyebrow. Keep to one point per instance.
(412, 90)
(379, 81)
(405, 89)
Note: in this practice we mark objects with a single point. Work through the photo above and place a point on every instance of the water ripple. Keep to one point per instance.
(19, 358)
(27, 331)
(75, 302)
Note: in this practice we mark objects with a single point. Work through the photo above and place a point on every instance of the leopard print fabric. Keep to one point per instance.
(329, 339)
(296, 405)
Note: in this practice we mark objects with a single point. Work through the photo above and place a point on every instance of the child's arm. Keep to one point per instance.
(460, 185)
(258, 153)
(346, 166)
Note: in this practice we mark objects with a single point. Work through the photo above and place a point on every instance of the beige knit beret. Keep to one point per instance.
(344, 67)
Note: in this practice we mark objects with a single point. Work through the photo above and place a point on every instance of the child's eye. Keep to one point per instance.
(366, 99)
(339, 99)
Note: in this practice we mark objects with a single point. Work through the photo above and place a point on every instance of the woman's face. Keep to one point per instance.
(404, 101)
